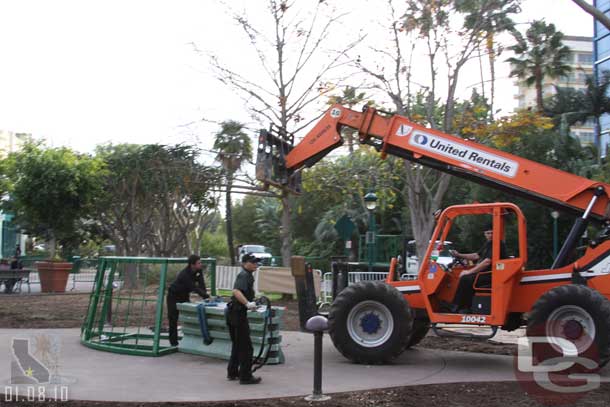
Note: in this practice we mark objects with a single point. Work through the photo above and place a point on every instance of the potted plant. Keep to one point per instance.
(51, 192)
(53, 275)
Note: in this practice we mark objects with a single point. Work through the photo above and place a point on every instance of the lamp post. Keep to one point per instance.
(555, 215)
(370, 200)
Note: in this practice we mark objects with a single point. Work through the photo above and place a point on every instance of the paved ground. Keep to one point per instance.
(82, 282)
(96, 375)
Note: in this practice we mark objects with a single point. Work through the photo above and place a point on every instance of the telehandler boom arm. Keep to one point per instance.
(395, 135)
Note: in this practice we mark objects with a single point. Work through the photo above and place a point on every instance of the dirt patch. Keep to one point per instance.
(446, 395)
(44, 311)
(468, 345)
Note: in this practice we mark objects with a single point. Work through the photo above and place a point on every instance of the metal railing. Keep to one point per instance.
(326, 290)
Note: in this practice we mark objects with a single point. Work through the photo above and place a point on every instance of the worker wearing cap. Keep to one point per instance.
(189, 280)
(240, 363)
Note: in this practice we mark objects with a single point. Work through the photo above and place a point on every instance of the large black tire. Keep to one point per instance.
(370, 322)
(420, 330)
(574, 312)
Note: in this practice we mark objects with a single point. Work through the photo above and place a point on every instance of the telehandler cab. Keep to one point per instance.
(375, 322)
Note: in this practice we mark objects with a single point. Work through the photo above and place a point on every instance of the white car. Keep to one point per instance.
(412, 262)
(259, 251)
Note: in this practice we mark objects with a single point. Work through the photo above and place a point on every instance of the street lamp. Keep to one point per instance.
(370, 200)
(555, 215)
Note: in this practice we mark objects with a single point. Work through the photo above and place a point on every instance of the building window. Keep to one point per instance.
(600, 29)
(604, 66)
(604, 140)
(584, 58)
(603, 5)
(582, 78)
(570, 77)
(586, 137)
(603, 48)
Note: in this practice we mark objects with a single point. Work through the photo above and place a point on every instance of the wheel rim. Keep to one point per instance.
(573, 323)
(370, 324)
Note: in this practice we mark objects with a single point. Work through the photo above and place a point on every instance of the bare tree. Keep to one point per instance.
(433, 24)
(297, 72)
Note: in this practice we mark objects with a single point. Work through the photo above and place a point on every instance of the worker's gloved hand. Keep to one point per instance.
(251, 305)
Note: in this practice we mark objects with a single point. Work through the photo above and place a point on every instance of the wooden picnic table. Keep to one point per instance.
(17, 275)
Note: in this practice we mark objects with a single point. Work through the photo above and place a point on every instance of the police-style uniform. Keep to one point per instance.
(240, 363)
(186, 282)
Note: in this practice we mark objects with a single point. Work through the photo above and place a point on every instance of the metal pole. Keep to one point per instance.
(370, 240)
(159, 310)
(317, 363)
(374, 239)
(317, 324)
(555, 238)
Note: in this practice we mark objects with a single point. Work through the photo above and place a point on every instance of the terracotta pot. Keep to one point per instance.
(53, 275)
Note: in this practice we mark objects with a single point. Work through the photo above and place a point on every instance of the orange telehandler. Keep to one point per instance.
(375, 322)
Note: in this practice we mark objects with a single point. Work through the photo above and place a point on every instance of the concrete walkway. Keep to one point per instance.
(96, 375)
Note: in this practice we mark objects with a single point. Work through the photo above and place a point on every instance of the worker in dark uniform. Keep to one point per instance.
(188, 280)
(240, 364)
(462, 301)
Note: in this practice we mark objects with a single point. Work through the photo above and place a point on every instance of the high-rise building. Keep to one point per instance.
(11, 142)
(601, 63)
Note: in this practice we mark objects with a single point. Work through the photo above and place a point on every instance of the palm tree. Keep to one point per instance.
(563, 107)
(539, 55)
(595, 102)
(234, 147)
(578, 106)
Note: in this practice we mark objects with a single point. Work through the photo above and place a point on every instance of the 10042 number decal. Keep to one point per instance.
(477, 319)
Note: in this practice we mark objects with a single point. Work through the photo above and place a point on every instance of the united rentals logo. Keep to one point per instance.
(421, 139)
(468, 155)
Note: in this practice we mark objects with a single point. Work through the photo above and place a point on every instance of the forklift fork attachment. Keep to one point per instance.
(273, 146)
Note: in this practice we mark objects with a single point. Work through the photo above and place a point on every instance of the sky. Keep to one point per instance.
(82, 73)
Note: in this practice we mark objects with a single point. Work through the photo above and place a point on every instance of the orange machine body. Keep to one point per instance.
(515, 289)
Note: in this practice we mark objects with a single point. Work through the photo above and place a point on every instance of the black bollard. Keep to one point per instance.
(317, 324)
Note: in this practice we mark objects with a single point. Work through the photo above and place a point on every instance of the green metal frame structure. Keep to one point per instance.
(125, 312)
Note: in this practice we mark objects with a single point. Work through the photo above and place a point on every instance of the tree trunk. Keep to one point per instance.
(286, 229)
(480, 58)
(229, 219)
(52, 244)
(595, 12)
(491, 52)
(349, 135)
(539, 103)
(422, 206)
